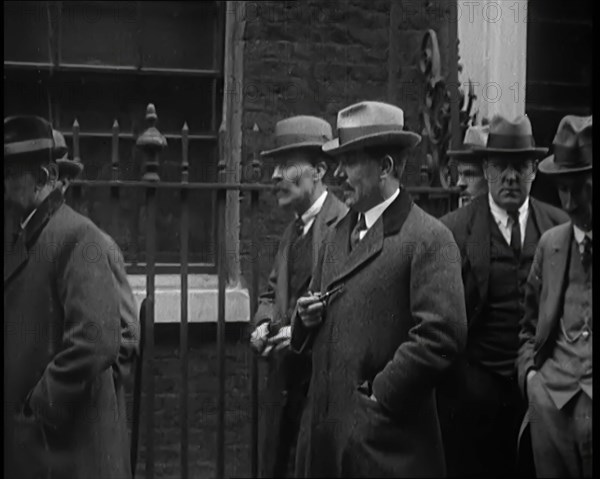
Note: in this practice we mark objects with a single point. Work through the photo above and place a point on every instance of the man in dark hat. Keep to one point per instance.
(300, 166)
(480, 404)
(64, 398)
(68, 169)
(469, 165)
(385, 317)
(555, 358)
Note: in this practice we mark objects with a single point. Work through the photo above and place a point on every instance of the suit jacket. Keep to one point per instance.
(471, 230)
(273, 306)
(63, 335)
(398, 322)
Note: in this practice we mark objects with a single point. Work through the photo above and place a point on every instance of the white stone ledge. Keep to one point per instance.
(203, 294)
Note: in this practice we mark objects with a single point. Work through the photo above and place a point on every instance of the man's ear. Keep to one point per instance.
(320, 170)
(387, 166)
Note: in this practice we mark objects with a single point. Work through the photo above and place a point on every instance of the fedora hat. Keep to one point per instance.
(299, 132)
(25, 135)
(572, 147)
(475, 136)
(511, 137)
(370, 123)
(66, 167)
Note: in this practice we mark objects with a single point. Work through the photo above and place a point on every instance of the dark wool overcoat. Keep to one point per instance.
(70, 332)
(274, 306)
(394, 327)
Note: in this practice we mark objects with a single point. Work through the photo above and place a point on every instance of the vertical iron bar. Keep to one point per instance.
(184, 330)
(222, 274)
(253, 308)
(114, 190)
(149, 352)
(76, 189)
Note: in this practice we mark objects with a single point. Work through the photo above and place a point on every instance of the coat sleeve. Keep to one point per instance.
(265, 311)
(528, 324)
(130, 324)
(439, 321)
(301, 339)
(91, 335)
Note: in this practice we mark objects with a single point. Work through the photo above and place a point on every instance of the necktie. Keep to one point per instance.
(515, 235)
(299, 224)
(355, 235)
(586, 252)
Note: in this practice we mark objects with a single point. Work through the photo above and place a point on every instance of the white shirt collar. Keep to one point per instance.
(314, 209)
(26, 220)
(374, 213)
(501, 215)
(580, 234)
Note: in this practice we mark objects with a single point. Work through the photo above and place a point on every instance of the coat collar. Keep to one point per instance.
(16, 257)
(388, 224)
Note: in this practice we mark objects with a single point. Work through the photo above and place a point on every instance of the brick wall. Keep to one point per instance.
(203, 398)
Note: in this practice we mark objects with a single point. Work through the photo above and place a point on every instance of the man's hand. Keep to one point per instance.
(310, 309)
(281, 340)
(530, 374)
(258, 338)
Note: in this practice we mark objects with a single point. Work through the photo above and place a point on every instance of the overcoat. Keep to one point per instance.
(394, 327)
(274, 306)
(64, 349)
(544, 299)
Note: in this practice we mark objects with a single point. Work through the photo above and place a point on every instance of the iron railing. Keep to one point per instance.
(151, 142)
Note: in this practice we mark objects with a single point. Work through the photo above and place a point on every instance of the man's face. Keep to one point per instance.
(19, 188)
(294, 178)
(471, 180)
(509, 179)
(360, 179)
(575, 193)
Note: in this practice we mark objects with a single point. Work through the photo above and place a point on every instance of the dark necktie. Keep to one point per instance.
(355, 235)
(515, 234)
(299, 224)
(586, 252)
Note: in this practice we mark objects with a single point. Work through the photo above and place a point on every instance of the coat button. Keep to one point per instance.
(585, 334)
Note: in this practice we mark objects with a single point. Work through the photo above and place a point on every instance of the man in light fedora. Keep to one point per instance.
(385, 316)
(555, 357)
(64, 397)
(68, 170)
(469, 165)
(300, 166)
(497, 234)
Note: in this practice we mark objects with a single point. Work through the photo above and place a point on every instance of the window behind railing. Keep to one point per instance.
(101, 62)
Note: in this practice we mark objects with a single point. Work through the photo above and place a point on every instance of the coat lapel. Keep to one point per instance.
(389, 223)
(542, 219)
(16, 257)
(333, 210)
(478, 246)
(558, 269)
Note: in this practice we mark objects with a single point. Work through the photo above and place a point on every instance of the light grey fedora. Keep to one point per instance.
(299, 132)
(370, 123)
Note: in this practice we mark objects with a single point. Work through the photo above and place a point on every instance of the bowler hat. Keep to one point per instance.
(66, 167)
(370, 123)
(475, 136)
(299, 132)
(572, 147)
(25, 135)
(511, 138)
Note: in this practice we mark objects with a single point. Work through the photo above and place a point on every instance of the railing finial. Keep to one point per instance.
(151, 142)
